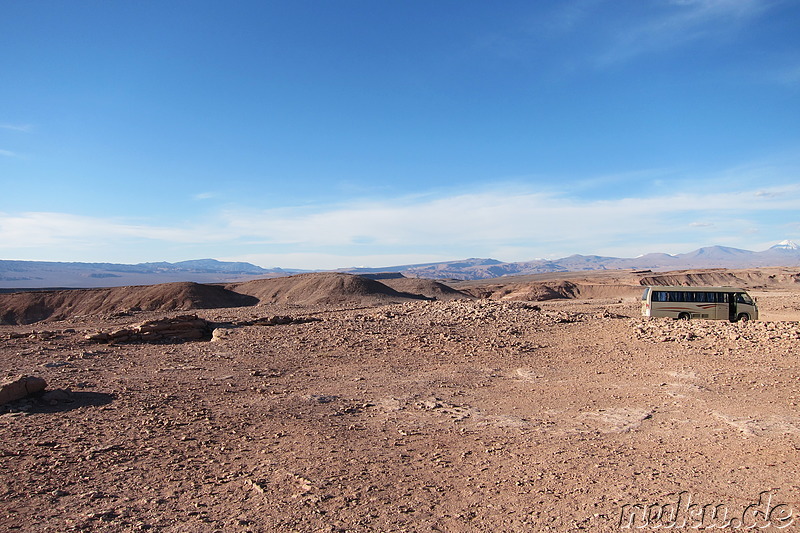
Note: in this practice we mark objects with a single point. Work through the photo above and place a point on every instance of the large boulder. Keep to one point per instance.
(20, 387)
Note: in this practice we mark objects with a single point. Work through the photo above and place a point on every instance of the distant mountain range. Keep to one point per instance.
(785, 253)
(40, 274)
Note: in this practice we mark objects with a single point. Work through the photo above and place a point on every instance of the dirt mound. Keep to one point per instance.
(514, 291)
(424, 287)
(320, 288)
(532, 292)
(30, 307)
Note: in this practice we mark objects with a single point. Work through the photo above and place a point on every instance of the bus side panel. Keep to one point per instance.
(671, 310)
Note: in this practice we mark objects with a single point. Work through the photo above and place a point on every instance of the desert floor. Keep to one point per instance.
(462, 415)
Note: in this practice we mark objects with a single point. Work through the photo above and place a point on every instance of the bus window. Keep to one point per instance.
(742, 298)
(645, 293)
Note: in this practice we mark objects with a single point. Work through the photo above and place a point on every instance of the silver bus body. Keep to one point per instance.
(711, 303)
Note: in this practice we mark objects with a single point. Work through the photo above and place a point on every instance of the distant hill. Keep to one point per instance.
(322, 288)
(30, 307)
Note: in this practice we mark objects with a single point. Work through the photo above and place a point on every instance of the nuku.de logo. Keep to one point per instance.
(678, 511)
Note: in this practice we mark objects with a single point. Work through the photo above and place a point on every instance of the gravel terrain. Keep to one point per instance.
(456, 415)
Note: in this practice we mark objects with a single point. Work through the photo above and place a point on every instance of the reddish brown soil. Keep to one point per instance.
(462, 415)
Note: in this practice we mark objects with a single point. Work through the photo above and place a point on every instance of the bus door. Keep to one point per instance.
(731, 306)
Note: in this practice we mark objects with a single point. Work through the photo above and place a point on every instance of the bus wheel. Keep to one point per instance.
(743, 317)
(684, 316)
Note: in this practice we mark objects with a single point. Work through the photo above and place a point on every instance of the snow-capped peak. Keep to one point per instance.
(786, 245)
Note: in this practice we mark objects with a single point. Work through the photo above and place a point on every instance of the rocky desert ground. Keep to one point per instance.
(328, 402)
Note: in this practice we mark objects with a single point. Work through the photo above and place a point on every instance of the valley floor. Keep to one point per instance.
(420, 416)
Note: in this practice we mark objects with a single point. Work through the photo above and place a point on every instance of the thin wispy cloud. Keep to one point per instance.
(788, 75)
(679, 23)
(8, 153)
(479, 221)
(528, 224)
(25, 128)
(37, 229)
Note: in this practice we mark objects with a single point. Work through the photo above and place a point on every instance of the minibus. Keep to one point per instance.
(712, 303)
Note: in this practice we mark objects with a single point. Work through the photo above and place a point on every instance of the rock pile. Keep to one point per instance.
(225, 330)
(179, 328)
(775, 334)
(481, 312)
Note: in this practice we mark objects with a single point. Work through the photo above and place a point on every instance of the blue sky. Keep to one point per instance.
(343, 133)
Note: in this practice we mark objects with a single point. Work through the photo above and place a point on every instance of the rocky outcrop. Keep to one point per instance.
(179, 328)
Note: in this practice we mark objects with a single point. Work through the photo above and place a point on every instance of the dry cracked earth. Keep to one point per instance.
(465, 415)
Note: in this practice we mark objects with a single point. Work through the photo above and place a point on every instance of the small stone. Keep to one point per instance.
(57, 396)
(97, 337)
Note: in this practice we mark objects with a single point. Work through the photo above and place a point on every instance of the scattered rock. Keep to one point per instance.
(219, 334)
(57, 364)
(719, 331)
(278, 320)
(605, 313)
(321, 398)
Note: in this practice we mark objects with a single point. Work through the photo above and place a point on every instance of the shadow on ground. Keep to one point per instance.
(66, 401)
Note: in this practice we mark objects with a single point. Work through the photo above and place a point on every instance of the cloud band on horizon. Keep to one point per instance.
(522, 224)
